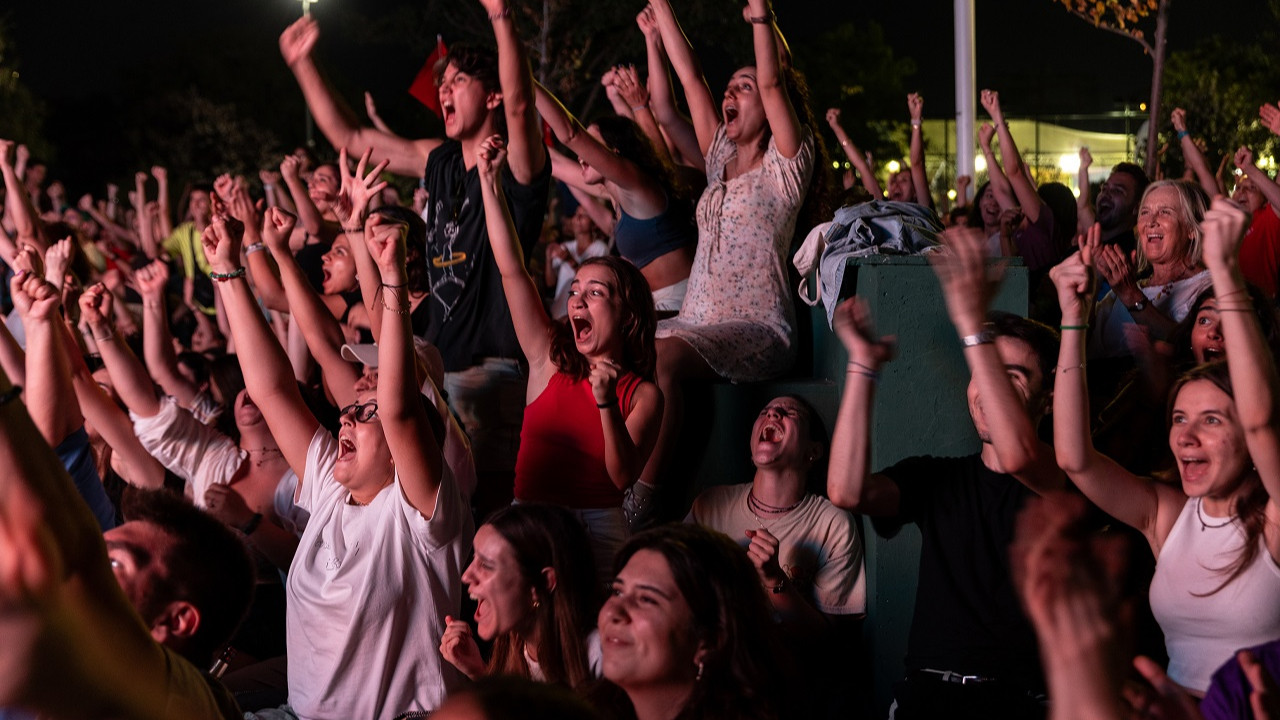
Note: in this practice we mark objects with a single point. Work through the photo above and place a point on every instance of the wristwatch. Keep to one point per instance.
(1138, 306)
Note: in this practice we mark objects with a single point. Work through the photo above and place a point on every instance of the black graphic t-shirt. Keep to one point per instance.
(468, 317)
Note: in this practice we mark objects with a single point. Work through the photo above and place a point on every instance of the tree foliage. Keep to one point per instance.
(1118, 16)
(1221, 83)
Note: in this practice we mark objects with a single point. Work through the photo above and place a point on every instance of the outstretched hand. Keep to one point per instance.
(833, 117)
(968, 281)
(1086, 158)
(986, 131)
(852, 323)
(56, 261)
(630, 87)
(359, 189)
(1179, 119)
(96, 306)
(1243, 158)
(1270, 115)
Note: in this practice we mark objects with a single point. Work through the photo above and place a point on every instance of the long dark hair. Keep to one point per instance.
(639, 322)
(1263, 308)
(546, 536)
(1251, 508)
(741, 676)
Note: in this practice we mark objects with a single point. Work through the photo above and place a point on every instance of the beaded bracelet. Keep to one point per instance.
(1074, 327)
(761, 20)
(223, 277)
(255, 247)
(504, 13)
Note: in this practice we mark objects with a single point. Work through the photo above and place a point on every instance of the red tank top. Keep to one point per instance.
(561, 456)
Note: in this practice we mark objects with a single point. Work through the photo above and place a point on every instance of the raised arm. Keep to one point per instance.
(320, 329)
(968, 285)
(1269, 188)
(1023, 188)
(308, 213)
(50, 399)
(662, 100)
(1121, 494)
(999, 183)
(334, 118)
(354, 203)
(525, 153)
(1084, 203)
(1253, 370)
(18, 208)
(130, 378)
(850, 483)
(919, 174)
(702, 105)
(161, 174)
(856, 157)
(640, 194)
(157, 343)
(267, 374)
(781, 115)
(1192, 154)
(533, 327)
(138, 467)
(636, 94)
(414, 448)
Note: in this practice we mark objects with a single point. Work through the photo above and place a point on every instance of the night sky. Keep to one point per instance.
(78, 56)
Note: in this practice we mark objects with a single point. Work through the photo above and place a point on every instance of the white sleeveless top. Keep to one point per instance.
(1202, 631)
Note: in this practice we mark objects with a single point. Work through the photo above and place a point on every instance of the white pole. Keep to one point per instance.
(965, 93)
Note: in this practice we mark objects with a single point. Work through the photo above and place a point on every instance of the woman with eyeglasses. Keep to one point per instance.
(379, 565)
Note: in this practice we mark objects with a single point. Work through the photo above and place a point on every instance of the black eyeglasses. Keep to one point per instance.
(362, 413)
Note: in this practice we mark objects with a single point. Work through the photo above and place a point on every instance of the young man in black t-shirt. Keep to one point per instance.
(469, 319)
(971, 652)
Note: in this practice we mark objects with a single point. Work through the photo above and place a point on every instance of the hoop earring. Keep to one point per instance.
(699, 677)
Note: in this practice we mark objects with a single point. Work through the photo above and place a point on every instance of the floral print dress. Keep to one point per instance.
(738, 314)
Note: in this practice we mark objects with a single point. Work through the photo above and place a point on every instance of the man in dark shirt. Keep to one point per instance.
(480, 95)
(1116, 207)
(971, 652)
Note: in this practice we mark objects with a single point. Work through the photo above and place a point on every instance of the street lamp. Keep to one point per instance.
(310, 123)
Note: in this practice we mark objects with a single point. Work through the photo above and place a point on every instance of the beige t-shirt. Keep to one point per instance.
(818, 545)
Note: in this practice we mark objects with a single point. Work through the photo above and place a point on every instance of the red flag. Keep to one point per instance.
(424, 85)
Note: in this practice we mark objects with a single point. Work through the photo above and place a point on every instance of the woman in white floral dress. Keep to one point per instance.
(737, 321)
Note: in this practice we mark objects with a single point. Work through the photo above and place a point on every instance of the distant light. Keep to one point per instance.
(951, 194)
(835, 164)
(1267, 162)
(979, 163)
(847, 165)
(1142, 107)
(1075, 191)
(1069, 163)
(894, 166)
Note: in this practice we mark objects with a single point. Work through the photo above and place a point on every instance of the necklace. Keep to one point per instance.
(1206, 526)
(263, 454)
(757, 506)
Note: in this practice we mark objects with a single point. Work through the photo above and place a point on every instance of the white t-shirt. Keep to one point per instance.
(203, 456)
(368, 591)
(1174, 299)
(818, 546)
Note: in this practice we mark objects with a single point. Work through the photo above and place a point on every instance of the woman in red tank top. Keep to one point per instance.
(592, 409)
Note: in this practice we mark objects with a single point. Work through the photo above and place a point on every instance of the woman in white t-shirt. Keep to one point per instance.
(533, 580)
